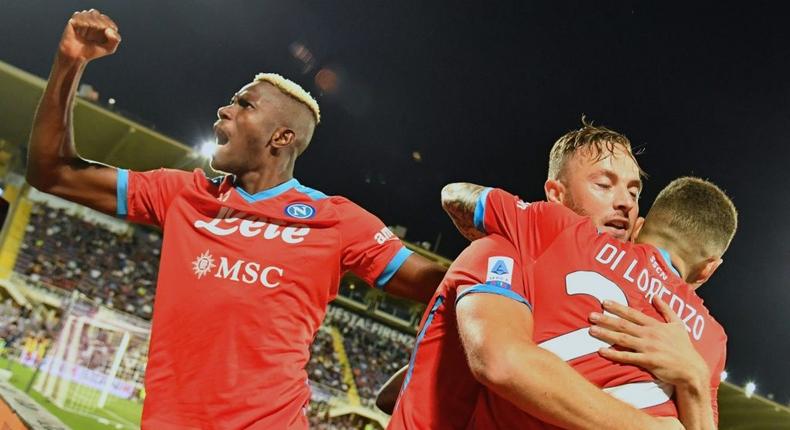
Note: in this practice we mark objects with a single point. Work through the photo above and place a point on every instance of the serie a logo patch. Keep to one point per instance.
(500, 271)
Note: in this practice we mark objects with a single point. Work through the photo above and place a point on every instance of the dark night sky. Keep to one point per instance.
(482, 92)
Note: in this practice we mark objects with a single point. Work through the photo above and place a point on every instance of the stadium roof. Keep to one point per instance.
(101, 134)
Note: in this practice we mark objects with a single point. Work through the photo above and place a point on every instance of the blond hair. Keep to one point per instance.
(292, 89)
(696, 211)
(600, 140)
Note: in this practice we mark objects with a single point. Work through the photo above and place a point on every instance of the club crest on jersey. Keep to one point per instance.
(500, 271)
(300, 210)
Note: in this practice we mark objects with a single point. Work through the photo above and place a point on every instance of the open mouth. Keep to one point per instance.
(617, 225)
(222, 137)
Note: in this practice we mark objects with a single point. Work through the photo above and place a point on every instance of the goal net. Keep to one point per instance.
(98, 358)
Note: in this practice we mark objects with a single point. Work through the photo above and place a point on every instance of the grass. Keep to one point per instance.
(117, 410)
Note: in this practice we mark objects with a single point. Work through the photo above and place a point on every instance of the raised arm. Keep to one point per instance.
(497, 335)
(459, 200)
(53, 164)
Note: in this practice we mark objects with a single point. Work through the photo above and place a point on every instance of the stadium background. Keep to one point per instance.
(34, 258)
(51, 248)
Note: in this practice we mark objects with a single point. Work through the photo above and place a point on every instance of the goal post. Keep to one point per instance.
(99, 355)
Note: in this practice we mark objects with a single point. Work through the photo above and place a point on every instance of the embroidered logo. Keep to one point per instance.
(300, 210)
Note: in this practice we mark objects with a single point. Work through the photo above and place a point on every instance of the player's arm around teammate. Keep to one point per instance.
(459, 200)
(53, 164)
(665, 351)
(496, 333)
(657, 347)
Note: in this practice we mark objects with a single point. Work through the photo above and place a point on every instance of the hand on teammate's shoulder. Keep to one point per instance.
(89, 35)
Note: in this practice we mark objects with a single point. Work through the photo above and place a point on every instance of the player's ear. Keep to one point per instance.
(706, 270)
(555, 190)
(638, 224)
(283, 137)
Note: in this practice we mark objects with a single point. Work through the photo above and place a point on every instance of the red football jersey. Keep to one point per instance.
(440, 392)
(244, 282)
(571, 269)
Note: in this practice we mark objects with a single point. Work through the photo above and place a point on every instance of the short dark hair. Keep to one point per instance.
(697, 210)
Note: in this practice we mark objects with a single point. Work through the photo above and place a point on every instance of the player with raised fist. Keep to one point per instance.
(89, 35)
(250, 259)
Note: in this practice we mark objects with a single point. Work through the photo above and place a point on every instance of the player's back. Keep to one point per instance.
(574, 269)
(580, 270)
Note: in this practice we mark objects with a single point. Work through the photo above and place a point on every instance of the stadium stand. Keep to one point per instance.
(18, 325)
(65, 251)
(374, 358)
(324, 366)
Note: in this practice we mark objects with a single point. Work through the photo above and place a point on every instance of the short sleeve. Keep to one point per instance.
(369, 248)
(531, 227)
(497, 211)
(490, 265)
(144, 197)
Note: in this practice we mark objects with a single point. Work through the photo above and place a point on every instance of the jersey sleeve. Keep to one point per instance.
(490, 265)
(369, 248)
(145, 196)
(528, 226)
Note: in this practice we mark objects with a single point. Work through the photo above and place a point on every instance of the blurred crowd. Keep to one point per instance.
(373, 358)
(324, 366)
(65, 251)
(26, 332)
(320, 419)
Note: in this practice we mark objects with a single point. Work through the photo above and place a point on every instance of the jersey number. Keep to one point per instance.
(579, 343)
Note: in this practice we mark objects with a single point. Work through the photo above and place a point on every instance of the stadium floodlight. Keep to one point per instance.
(724, 375)
(750, 388)
(207, 148)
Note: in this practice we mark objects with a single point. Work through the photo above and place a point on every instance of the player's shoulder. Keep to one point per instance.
(545, 210)
(328, 206)
(483, 248)
(658, 264)
(557, 219)
(169, 177)
(715, 325)
(339, 204)
(554, 209)
(490, 259)
(313, 194)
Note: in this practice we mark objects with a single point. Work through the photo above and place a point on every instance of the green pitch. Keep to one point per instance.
(118, 414)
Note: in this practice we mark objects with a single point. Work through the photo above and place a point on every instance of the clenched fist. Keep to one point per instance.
(89, 35)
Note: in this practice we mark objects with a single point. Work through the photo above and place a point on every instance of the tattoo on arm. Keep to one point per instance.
(459, 201)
